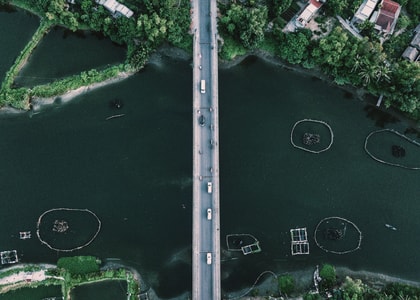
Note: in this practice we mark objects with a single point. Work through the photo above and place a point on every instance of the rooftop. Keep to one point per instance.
(387, 17)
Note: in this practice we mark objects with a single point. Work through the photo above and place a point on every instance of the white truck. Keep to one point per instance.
(209, 187)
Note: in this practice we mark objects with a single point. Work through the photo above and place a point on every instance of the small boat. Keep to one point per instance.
(390, 227)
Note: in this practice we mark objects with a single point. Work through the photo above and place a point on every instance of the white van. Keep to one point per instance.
(203, 86)
(208, 213)
(208, 258)
(209, 187)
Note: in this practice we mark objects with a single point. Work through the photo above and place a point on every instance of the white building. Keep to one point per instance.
(116, 8)
(307, 14)
(364, 11)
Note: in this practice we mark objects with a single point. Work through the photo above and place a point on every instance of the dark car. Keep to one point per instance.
(202, 120)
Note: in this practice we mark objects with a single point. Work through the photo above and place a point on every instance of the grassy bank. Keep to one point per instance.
(19, 98)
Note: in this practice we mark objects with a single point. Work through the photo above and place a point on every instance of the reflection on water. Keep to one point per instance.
(380, 117)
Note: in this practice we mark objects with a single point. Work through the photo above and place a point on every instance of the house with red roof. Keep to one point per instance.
(308, 12)
(386, 17)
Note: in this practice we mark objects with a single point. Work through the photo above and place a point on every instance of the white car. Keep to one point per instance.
(208, 258)
(208, 213)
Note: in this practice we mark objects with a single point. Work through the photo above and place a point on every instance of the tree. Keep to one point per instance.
(310, 296)
(286, 284)
(413, 8)
(293, 47)
(328, 276)
(403, 90)
(280, 6)
(137, 55)
(332, 51)
(336, 7)
(245, 23)
(353, 288)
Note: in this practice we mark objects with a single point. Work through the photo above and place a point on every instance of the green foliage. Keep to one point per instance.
(17, 98)
(231, 48)
(401, 291)
(310, 296)
(327, 273)
(245, 23)
(336, 7)
(403, 90)
(396, 44)
(280, 6)
(286, 284)
(353, 288)
(77, 265)
(413, 8)
(403, 22)
(367, 28)
(85, 78)
(293, 47)
(24, 55)
(133, 287)
(269, 44)
(137, 55)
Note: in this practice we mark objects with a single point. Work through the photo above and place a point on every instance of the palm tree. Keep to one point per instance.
(358, 63)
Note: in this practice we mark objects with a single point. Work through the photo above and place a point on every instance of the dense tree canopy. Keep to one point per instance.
(246, 23)
(293, 47)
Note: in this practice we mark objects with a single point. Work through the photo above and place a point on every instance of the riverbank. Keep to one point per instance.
(157, 58)
(35, 275)
(26, 275)
(304, 283)
(358, 93)
(37, 102)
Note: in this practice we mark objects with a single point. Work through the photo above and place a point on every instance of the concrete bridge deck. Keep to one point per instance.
(206, 228)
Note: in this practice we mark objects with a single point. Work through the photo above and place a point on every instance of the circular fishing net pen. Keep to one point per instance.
(312, 136)
(392, 148)
(67, 229)
(337, 235)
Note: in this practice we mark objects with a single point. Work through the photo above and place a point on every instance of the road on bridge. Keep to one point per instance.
(206, 208)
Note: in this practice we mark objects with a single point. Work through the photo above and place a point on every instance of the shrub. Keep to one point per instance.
(327, 274)
(286, 284)
(79, 264)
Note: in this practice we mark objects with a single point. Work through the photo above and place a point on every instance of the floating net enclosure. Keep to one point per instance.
(67, 229)
(390, 147)
(337, 235)
(247, 243)
(312, 136)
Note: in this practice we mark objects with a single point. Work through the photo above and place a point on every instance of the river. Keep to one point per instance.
(134, 172)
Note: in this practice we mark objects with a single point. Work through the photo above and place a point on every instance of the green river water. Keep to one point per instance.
(134, 172)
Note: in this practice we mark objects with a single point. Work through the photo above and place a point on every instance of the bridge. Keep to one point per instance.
(206, 219)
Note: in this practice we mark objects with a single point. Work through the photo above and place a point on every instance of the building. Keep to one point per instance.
(117, 9)
(308, 12)
(412, 52)
(386, 17)
(364, 11)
